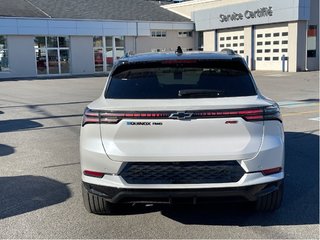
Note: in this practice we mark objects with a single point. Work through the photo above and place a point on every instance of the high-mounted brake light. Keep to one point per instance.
(179, 61)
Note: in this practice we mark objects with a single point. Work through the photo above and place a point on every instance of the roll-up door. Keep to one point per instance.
(271, 44)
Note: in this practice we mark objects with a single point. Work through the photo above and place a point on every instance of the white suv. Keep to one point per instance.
(181, 126)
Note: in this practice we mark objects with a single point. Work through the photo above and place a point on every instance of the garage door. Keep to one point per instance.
(231, 39)
(271, 43)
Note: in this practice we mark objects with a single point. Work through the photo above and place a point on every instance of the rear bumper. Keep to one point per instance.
(126, 195)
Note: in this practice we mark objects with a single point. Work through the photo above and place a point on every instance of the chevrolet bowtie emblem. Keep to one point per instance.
(180, 115)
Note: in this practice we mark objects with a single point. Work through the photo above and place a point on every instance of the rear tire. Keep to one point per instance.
(95, 204)
(271, 201)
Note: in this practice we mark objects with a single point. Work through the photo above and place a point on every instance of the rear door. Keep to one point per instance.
(181, 111)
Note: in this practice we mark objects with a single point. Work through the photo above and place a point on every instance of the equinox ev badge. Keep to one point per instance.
(180, 115)
(144, 123)
(139, 123)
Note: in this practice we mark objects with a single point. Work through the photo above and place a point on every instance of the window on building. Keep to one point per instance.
(259, 50)
(275, 42)
(276, 34)
(285, 34)
(4, 58)
(267, 35)
(241, 44)
(259, 43)
(221, 38)
(276, 50)
(119, 41)
(267, 50)
(228, 38)
(108, 53)
(285, 42)
(235, 37)
(185, 34)
(312, 41)
(158, 33)
(228, 45)
(235, 44)
(97, 41)
(221, 45)
(241, 51)
(52, 42)
(98, 53)
(275, 58)
(267, 58)
(52, 54)
(241, 37)
(259, 36)
(259, 58)
(169, 49)
(284, 50)
(267, 43)
(105, 50)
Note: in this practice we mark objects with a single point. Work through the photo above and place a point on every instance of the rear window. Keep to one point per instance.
(180, 79)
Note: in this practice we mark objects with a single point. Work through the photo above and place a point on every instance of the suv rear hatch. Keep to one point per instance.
(183, 110)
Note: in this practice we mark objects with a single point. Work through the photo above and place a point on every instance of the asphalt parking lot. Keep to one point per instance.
(40, 193)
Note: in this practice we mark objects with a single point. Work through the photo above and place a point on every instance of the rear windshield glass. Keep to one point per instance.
(180, 79)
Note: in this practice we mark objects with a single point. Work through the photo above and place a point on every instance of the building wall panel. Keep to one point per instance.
(22, 61)
(82, 61)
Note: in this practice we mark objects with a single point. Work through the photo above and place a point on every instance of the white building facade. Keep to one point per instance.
(269, 34)
(53, 47)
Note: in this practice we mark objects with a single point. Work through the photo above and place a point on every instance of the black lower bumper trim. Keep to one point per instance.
(124, 195)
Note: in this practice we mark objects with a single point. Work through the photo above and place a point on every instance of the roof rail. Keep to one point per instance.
(228, 51)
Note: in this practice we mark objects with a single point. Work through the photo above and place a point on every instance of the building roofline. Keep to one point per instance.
(93, 20)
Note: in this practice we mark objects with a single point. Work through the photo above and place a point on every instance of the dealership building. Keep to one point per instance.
(82, 37)
(269, 34)
(79, 37)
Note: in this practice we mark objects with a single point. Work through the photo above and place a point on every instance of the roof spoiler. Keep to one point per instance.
(228, 51)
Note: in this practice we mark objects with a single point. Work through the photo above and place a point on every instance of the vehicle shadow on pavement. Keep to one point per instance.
(301, 195)
(6, 150)
(22, 194)
(18, 124)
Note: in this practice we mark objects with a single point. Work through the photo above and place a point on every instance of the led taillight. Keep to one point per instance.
(258, 114)
(95, 116)
(90, 116)
(253, 114)
(272, 113)
(93, 174)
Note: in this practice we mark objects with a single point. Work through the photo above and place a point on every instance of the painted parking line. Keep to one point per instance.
(294, 104)
(276, 75)
(315, 119)
(299, 113)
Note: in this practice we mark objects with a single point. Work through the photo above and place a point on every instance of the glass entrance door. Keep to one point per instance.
(52, 55)
(53, 61)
